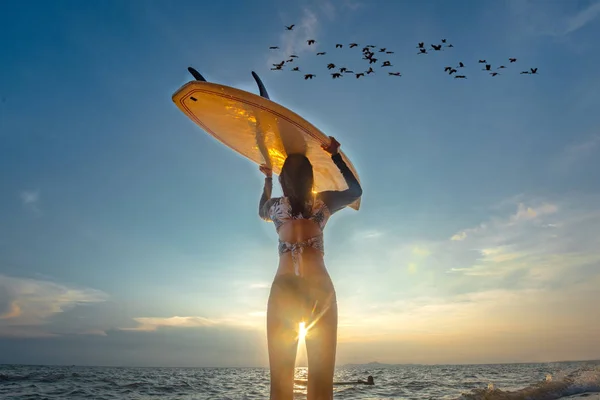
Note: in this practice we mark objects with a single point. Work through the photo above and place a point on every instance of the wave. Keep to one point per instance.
(578, 382)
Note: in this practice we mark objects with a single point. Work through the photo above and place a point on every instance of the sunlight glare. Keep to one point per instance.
(302, 332)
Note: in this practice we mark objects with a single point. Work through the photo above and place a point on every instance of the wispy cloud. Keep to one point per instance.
(294, 41)
(152, 324)
(582, 18)
(523, 213)
(352, 4)
(550, 19)
(259, 285)
(30, 199)
(26, 305)
(251, 320)
(579, 152)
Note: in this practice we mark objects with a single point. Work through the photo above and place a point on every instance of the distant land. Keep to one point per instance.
(375, 364)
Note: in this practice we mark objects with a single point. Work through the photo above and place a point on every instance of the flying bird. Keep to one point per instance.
(273, 48)
(290, 60)
(460, 77)
(494, 73)
(310, 41)
(382, 50)
(512, 60)
(330, 66)
(289, 28)
(336, 75)
(359, 75)
(533, 70)
(353, 45)
(421, 45)
(389, 52)
(370, 71)
(309, 76)
(487, 67)
(394, 73)
(322, 53)
(338, 46)
(342, 69)
(443, 40)
(422, 51)
(386, 64)
(436, 47)
(482, 61)
(372, 60)
(293, 56)
(295, 69)
(501, 67)
(461, 65)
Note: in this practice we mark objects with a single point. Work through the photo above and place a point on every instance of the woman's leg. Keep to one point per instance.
(283, 319)
(321, 342)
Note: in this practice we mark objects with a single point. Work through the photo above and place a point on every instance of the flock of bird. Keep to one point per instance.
(372, 54)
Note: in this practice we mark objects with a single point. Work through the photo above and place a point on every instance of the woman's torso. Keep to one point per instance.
(298, 229)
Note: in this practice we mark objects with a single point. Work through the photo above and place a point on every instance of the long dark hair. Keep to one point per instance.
(296, 181)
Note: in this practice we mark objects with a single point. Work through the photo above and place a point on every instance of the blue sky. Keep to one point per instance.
(128, 236)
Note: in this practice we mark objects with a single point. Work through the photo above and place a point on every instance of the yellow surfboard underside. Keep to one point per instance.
(260, 129)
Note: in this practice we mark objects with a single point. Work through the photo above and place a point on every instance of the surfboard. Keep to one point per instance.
(259, 129)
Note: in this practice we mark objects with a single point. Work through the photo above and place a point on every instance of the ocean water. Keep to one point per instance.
(504, 381)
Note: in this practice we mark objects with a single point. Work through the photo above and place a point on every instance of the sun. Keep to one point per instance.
(302, 332)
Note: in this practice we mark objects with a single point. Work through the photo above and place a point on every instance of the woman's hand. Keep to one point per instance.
(332, 147)
(266, 170)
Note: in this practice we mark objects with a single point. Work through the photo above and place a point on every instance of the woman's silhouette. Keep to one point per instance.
(302, 290)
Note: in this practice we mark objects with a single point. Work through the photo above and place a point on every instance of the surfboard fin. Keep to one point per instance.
(261, 87)
(196, 75)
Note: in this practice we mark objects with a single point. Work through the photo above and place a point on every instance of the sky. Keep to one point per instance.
(129, 236)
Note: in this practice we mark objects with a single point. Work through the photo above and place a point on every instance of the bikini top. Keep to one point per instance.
(325, 203)
(280, 212)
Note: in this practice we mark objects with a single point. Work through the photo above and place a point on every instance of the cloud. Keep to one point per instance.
(253, 320)
(552, 19)
(259, 285)
(28, 305)
(30, 199)
(582, 18)
(367, 234)
(459, 236)
(294, 41)
(152, 324)
(523, 213)
(530, 268)
(577, 153)
(352, 5)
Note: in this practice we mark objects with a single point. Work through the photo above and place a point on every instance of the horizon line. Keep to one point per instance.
(337, 366)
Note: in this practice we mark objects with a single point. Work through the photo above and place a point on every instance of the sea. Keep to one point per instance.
(546, 381)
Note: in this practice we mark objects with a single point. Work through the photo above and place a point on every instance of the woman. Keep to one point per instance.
(302, 290)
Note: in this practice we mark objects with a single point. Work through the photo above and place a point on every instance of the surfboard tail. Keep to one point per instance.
(197, 76)
(261, 86)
